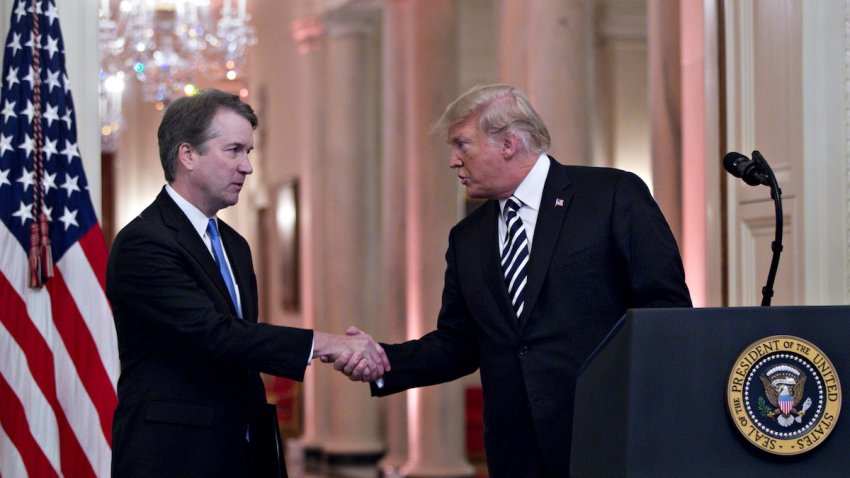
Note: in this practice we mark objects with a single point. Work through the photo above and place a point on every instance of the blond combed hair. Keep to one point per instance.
(503, 109)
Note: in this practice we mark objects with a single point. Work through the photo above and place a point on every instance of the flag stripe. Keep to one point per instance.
(11, 462)
(94, 247)
(33, 426)
(81, 379)
(82, 350)
(13, 420)
(36, 350)
(89, 295)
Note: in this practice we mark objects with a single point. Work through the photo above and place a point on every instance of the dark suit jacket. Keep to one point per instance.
(189, 384)
(601, 246)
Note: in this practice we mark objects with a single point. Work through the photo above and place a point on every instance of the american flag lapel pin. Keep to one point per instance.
(559, 202)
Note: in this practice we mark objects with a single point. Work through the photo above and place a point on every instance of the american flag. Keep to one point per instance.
(58, 354)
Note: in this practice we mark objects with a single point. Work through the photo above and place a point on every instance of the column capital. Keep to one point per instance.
(355, 17)
(308, 33)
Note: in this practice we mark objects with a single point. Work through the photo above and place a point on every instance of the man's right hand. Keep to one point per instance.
(356, 354)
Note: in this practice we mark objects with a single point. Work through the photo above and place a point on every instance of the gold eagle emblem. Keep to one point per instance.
(784, 385)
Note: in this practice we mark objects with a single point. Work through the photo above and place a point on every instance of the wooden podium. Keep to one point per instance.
(652, 399)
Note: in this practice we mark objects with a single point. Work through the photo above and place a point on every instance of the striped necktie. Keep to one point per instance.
(515, 255)
(218, 253)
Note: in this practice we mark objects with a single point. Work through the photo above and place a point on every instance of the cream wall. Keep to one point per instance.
(622, 83)
(826, 109)
(138, 175)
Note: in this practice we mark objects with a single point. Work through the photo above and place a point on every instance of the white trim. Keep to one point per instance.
(79, 23)
(826, 109)
(740, 128)
(740, 77)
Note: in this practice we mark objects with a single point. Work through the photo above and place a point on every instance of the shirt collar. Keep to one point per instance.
(198, 219)
(530, 190)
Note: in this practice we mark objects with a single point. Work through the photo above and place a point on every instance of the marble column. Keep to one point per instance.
(665, 109)
(393, 197)
(304, 454)
(435, 414)
(546, 49)
(701, 223)
(350, 184)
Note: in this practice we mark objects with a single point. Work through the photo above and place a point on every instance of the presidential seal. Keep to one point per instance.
(784, 395)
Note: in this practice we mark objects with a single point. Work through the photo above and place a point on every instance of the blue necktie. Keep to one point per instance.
(218, 253)
(515, 255)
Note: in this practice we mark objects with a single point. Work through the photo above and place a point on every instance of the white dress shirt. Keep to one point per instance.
(530, 192)
(199, 221)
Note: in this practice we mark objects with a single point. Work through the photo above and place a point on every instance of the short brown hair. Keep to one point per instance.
(188, 120)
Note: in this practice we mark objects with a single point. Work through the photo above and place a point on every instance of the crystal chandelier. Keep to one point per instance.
(168, 45)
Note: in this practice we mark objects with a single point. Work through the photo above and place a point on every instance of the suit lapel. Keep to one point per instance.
(554, 204)
(188, 238)
(490, 267)
(239, 262)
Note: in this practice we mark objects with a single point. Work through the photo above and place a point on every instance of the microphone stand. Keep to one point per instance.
(776, 245)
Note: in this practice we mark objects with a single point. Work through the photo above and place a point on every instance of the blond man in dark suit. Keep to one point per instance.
(583, 244)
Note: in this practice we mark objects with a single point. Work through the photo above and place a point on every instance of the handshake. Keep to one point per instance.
(355, 354)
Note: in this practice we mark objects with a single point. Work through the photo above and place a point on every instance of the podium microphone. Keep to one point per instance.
(745, 168)
(754, 172)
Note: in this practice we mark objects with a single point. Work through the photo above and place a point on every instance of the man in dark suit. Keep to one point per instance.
(599, 245)
(184, 296)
